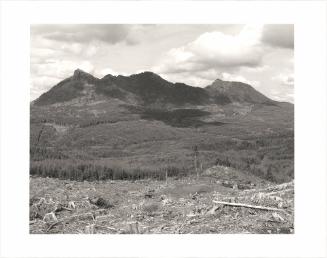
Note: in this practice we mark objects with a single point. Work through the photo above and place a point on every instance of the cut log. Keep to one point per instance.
(249, 206)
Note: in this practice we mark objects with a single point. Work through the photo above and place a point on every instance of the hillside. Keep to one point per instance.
(141, 125)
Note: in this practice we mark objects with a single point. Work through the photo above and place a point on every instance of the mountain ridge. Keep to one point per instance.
(149, 88)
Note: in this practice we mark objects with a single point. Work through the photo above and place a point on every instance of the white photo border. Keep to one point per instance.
(309, 19)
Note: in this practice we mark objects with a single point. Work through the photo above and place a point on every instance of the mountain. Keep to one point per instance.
(68, 89)
(147, 123)
(149, 89)
(238, 92)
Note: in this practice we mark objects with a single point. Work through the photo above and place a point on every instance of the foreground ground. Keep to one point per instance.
(207, 204)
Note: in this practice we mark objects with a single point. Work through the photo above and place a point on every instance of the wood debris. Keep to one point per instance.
(224, 210)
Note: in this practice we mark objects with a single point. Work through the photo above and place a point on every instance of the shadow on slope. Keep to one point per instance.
(179, 117)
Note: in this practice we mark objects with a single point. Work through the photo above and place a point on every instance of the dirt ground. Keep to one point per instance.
(178, 206)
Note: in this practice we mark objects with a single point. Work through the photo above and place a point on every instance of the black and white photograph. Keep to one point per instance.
(162, 129)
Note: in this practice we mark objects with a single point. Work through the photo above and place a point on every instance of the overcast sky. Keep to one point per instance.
(261, 55)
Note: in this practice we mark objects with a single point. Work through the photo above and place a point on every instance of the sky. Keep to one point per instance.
(261, 55)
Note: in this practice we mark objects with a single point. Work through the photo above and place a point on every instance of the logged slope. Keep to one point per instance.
(147, 123)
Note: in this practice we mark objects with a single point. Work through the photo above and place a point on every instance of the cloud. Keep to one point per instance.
(281, 35)
(215, 50)
(214, 55)
(205, 78)
(242, 56)
(239, 78)
(187, 78)
(53, 61)
(60, 68)
(86, 33)
(91, 50)
(104, 72)
(211, 54)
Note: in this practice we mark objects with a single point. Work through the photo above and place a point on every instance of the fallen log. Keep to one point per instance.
(249, 206)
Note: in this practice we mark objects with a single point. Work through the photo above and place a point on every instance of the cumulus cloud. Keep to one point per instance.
(216, 50)
(281, 35)
(214, 55)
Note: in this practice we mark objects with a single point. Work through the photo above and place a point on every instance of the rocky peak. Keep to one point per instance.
(218, 81)
(80, 74)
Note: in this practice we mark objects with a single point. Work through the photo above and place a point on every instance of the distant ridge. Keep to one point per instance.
(148, 88)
